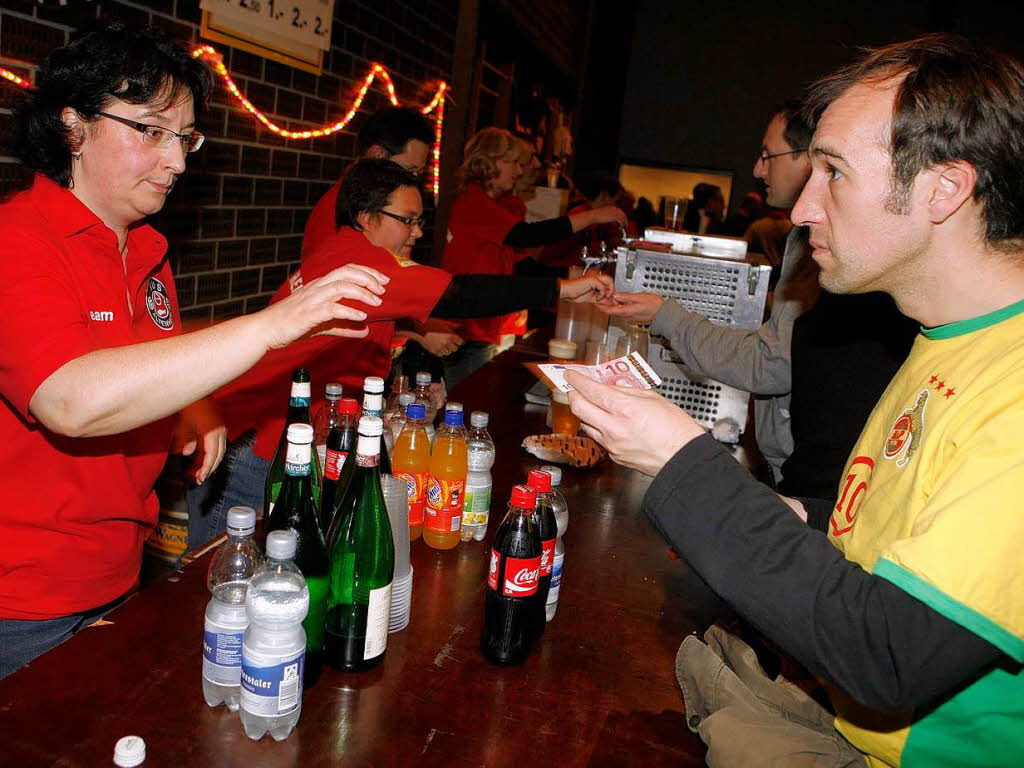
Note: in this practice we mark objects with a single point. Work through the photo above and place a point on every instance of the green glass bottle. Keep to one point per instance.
(296, 510)
(362, 555)
(298, 413)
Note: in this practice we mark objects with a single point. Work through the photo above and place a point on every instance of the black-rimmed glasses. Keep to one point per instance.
(764, 157)
(158, 137)
(409, 221)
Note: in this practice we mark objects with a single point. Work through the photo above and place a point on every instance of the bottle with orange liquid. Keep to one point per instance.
(411, 462)
(446, 484)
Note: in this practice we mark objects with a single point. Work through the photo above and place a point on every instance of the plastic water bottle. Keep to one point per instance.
(274, 649)
(562, 522)
(228, 579)
(476, 506)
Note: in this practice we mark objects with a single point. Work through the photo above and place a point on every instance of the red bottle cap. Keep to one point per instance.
(524, 497)
(539, 480)
(348, 406)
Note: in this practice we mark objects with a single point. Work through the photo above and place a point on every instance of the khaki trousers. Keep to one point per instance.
(748, 720)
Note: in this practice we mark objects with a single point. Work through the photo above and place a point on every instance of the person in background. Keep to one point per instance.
(486, 237)
(400, 134)
(750, 210)
(98, 380)
(597, 191)
(902, 591)
(645, 216)
(704, 213)
(379, 212)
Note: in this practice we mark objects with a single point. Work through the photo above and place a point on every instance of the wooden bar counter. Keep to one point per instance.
(598, 690)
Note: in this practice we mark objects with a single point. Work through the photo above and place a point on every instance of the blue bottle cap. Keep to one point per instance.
(415, 411)
(453, 418)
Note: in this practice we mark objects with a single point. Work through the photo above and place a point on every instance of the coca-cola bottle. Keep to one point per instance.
(547, 528)
(509, 623)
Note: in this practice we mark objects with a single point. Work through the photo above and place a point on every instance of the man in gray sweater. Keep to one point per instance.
(756, 361)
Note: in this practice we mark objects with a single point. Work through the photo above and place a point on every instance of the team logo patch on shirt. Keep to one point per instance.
(159, 305)
(907, 431)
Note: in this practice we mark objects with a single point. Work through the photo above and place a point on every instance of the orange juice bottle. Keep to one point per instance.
(410, 461)
(446, 484)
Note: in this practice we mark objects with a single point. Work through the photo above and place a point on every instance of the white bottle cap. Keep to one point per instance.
(241, 521)
(423, 378)
(556, 474)
(334, 389)
(457, 407)
(371, 426)
(406, 397)
(374, 384)
(129, 751)
(478, 419)
(300, 434)
(281, 544)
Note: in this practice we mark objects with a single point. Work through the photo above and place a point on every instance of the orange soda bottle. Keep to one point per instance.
(410, 461)
(446, 484)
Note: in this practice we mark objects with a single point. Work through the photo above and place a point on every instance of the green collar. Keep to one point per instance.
(960, 327)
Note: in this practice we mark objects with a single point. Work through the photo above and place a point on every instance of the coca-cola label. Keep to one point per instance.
(547, 556)
(522, 575)
(335, 461)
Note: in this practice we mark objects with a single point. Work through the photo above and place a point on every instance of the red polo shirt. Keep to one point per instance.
(74, 511)
(477, 229)
(259, 398)
(320, 224)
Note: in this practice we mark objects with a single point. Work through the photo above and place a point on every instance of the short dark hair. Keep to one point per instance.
(393, 128)
(956, 101)
(367, 188)
(799, 129)
(110, 62)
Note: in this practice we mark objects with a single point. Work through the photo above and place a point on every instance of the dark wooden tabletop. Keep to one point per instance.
(598, 690)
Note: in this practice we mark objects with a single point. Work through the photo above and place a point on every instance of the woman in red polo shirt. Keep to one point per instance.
(95, 374)
(484, 235)
(378, 222)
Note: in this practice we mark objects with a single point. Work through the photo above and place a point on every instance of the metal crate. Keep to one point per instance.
(718, 280)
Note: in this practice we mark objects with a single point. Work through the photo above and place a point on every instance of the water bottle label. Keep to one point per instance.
(522, 575)
(547, 556)
(416, 491)
(444, 505)
(297, 459)
(378, 614)
(333, 463)
(556, 579)
(222, 656)
(477, 506)
(271, 685)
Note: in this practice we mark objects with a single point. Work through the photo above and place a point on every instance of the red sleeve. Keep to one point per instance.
(413, 291)
(41, 322)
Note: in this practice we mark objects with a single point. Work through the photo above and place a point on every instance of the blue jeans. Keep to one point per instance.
(22, 640)
(238, 482)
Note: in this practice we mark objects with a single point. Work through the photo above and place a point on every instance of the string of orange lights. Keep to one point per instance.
(436, 106)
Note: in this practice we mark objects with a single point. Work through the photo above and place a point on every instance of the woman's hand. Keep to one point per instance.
(634, 307)
(315, 309)
(200, 428)
(591, 287)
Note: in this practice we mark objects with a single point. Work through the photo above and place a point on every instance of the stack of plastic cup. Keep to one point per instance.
(397, 501)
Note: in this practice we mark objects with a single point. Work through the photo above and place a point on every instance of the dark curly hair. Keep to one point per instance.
(367, 188)
(393, 128)
(111, 62)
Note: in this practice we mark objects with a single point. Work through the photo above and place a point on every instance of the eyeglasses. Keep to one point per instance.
(160, 138)
(764, 157)
(409, 221)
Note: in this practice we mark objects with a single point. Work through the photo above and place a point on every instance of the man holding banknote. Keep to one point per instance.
(909, 606)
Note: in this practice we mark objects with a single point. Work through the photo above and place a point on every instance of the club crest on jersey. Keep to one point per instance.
(158, 303)
(907, 431)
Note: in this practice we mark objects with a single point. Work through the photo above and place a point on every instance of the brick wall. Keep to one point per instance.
(235, 220)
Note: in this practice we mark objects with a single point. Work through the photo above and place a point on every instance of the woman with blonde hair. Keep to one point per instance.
(486, 235)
